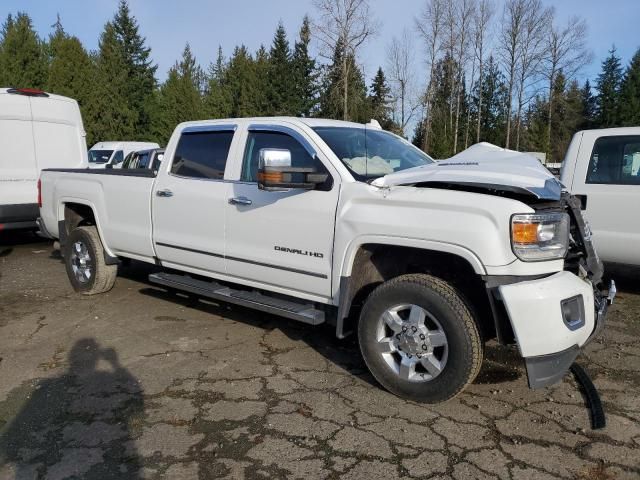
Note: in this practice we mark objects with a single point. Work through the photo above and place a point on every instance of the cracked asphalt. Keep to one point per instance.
(142, 383)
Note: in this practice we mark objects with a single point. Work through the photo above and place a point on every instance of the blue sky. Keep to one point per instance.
(205, 24)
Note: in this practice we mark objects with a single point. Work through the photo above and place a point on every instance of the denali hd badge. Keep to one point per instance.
(306, 253)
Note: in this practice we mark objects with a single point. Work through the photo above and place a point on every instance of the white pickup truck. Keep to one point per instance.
(602, 169)
(344, 223)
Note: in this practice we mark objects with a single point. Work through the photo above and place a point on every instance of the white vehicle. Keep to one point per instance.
(112, 154)
(602, 169)
(37, 130)
(328, 221)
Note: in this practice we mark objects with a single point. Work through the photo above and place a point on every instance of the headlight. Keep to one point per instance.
(536, 237)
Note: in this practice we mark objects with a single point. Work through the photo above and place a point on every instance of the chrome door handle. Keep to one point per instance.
(239, 201)
(164, 193)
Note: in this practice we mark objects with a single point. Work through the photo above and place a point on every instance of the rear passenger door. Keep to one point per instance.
(188, 202)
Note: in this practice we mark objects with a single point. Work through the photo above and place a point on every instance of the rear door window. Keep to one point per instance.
(202, 154)
(615, 161)
(118, 157)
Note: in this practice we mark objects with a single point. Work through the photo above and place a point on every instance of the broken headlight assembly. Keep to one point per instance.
(536, 237)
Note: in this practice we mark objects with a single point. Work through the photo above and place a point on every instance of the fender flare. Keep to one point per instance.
(109, 257)
(344, 280)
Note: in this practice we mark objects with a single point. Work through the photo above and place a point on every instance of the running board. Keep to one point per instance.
(302, 312)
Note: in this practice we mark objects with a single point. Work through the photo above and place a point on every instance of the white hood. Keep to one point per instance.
(483, 166)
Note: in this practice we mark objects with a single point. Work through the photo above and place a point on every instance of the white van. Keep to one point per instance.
(112, 154)
(37, 130)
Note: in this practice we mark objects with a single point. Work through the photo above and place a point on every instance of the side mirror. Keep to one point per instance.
(276, 173)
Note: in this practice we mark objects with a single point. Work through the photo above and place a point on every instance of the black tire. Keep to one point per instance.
(99, 276)
(463, 341)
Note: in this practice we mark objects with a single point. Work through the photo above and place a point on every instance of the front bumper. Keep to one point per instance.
(550, 335)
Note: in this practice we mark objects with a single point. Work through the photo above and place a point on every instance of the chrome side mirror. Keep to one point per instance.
(275, 172)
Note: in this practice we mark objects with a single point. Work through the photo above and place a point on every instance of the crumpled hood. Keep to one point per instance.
(483, 166)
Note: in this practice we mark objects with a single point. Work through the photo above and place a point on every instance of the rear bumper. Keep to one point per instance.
(552, 318)
(18, 216)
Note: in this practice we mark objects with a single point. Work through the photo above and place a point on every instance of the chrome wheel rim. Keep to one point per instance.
(412, 343)
(81, 263)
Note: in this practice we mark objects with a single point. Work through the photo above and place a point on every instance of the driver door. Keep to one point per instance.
(281, 239)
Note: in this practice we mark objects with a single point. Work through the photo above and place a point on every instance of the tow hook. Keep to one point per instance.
(590, 394)
(612, 292)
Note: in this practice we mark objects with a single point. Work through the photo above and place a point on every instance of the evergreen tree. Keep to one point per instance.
(589, 105)
(71, 72)
(138, 66)
(608, 85)
(629, 109)
(331, 101)
(261, 68)
(23, 60)
(217, 97)
(110, 116)
(243, 86)
(380, 102)
(305, 77)
(179, 98)
(279, 74)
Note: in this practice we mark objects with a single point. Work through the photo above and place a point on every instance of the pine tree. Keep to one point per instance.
(179, 98)
(217, 97)
(629, 107)
(589, 106)
(110, 116)
(332, 99)
(305, 77)
(71, 72)
(380, 102)
(608, 85)
(243, 84)
(23, 60)
(139, 68)
(494, 93)
(279, 73)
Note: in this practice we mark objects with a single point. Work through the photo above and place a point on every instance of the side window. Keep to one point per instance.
(143, 160)
(118, 157)
(128, 160)
(259, 140)
(202, 154)
(157, 161)
(615, 161)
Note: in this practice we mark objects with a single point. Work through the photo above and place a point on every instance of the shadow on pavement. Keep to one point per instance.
(78, 424)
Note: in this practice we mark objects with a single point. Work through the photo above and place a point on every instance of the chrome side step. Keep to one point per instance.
(303, 312)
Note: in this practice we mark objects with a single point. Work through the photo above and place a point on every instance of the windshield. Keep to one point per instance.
(99, 156)
(370, 153)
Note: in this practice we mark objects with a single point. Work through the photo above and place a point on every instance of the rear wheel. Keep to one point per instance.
(84, 261)
(419, 339)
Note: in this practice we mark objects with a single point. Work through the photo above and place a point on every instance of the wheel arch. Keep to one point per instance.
(73, 213)
(370, 263)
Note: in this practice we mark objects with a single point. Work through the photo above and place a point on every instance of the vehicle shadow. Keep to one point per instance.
(15, 238)
(627, 277)
(79, 424)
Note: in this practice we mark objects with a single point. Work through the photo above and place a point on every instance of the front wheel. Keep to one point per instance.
(419, 339)
(84, 261)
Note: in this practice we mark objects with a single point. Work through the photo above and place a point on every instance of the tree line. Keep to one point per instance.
(507, 76)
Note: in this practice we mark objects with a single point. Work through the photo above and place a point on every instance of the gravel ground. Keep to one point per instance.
(140, 383)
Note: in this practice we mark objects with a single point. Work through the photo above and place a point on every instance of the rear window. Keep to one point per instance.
(202, 154)
(99, 156)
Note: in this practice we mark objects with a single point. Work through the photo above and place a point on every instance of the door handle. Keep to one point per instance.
(164, 193)
(240, 201)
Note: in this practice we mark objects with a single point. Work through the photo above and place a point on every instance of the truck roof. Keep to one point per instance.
(311, 122)
(615, 131)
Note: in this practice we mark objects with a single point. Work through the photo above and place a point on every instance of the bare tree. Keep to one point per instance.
(482, 22)
(464, 10)
(513, 19)
(429, 25)
(532, 48)
(345, 24)
(400, 57)
(566, 51)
